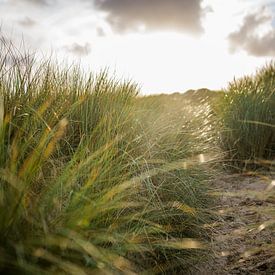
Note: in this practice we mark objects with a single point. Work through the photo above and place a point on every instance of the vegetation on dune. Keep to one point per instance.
(95, 179)
(247, 117)
(183, 122)
(87, 183)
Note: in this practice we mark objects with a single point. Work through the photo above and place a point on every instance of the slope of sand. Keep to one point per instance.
(243, 238)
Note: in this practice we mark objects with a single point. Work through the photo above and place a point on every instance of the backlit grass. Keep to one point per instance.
(87, 185)
(247, 116)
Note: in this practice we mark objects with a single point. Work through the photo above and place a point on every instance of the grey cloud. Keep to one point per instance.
(247, 39)
(100, 32)
(79, 50)
(27, 22)
(125, 15)
(36, 2)
(43, 2)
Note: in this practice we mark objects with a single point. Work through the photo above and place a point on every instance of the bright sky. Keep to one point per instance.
(164, 46)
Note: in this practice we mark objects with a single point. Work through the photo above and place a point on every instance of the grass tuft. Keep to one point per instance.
(88, 186)
(247, 116)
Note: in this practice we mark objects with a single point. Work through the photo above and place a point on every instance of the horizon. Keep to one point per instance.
(164, 47)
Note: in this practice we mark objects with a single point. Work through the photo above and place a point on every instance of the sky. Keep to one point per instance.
(165, 46)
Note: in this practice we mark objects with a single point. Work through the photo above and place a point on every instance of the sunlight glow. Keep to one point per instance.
(164, 61)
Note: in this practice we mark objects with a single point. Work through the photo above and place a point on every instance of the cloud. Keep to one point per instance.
(250, 38)
(43, 2)
(79, 50)
(27, 22)
(37, 3)
(181, 15)
(100, 32)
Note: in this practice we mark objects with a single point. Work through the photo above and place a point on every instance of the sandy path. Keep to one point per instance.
(244, 237)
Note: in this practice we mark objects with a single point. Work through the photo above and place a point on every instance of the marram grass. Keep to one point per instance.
(82, 189)
(247, 116)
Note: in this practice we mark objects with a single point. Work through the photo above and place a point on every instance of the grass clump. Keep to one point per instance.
(247, 116)
(84, 186)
